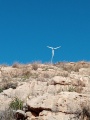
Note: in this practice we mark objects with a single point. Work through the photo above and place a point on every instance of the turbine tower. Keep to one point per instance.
(53, 52)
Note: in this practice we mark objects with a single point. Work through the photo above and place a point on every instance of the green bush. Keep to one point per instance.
(71, 89)
(16, 104)
(1, 90)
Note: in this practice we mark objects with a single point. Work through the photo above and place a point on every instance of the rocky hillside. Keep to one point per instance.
(45, 92)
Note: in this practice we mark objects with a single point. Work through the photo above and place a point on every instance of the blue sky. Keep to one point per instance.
(28, 26)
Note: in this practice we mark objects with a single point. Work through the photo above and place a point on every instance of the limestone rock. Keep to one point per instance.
(61, 80)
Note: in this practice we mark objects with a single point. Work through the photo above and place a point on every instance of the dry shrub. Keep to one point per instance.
(76, 82)
(77, 89)
(35, 66)
(12, 85)
(85, 114)
(81, 83)
(45, 69)
(63, 74)
(64, 66)
(8, 83)
(26, 73)
(22, 72)
(68, 68)
(78, 85)
(84, 64)
(41, 79)
(46, 75)
(73, 66)
(79, 65)
(60, 64)
(34, 75)
(16, 65)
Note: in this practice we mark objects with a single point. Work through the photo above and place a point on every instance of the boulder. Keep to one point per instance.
(60, 107)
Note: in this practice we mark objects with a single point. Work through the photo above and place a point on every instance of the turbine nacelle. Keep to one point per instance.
(53, 47)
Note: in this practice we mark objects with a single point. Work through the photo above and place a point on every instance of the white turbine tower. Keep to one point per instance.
(53, 51)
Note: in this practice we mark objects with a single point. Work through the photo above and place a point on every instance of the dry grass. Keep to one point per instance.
(7, 115)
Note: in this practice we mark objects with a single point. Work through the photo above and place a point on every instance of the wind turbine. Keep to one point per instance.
(53, 51)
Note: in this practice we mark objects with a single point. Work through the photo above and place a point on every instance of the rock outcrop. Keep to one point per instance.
(48, 92)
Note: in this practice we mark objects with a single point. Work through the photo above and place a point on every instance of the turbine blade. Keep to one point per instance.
(50, 47)
(57, 47)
